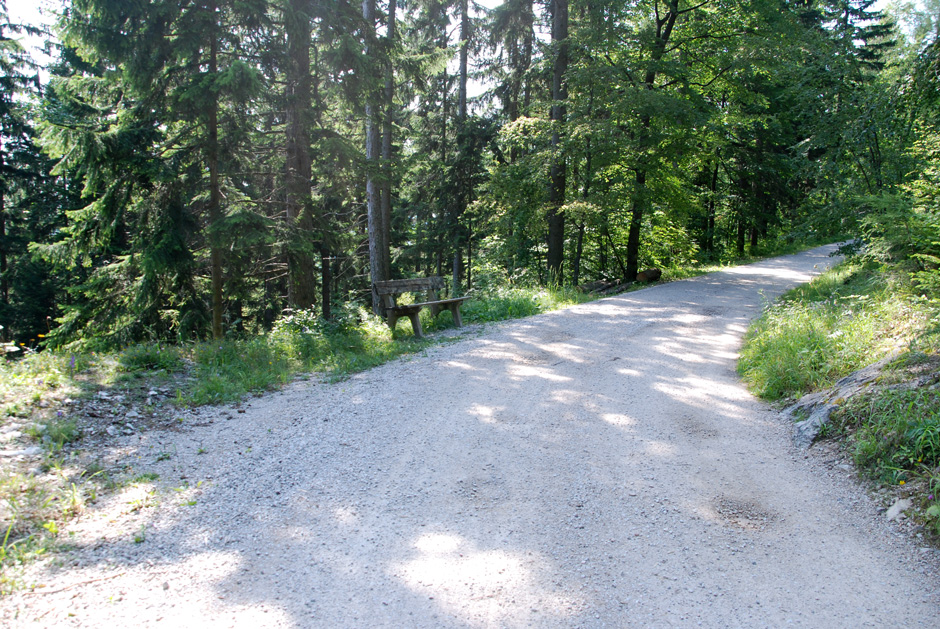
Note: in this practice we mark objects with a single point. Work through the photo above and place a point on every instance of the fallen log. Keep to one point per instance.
(617, 288)
(593, 287)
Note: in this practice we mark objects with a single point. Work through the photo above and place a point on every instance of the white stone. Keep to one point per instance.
(898, 507)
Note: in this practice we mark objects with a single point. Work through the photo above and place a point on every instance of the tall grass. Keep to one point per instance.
(845, 319)
(906, 438)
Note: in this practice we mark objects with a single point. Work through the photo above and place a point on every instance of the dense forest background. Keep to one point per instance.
(195, 169)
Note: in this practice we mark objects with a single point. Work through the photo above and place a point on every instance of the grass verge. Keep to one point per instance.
(845, 319)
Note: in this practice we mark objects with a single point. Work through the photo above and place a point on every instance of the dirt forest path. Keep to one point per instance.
(600, 466)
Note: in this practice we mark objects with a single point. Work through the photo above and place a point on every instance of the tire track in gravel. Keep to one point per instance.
(600, 466)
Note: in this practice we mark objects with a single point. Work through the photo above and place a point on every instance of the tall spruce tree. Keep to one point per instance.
(154, 122)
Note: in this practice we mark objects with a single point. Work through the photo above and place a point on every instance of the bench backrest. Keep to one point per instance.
(429, 285)
(416, 285)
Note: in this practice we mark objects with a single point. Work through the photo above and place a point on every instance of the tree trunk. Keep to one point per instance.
(710, 209)
(469, 254)
(215, 192)
(585, 195)
(664, 26)
(387, 120)
(464, 58)
(463, 183)
(4, 281)
(556, 197)
(376, 228)
(636, 223)
(299, 213)
(326, 283)
(579, 250)
(527, 45)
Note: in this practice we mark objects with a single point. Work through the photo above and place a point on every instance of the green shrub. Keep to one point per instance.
(501, 304)
(150, 356)
(56, 434)
(226, 370)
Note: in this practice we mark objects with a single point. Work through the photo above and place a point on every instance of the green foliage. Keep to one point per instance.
(844, 320)
(228, 369)
(184, 158)
(151, 356)
(502, 303)
(57, 433)
(896, 433)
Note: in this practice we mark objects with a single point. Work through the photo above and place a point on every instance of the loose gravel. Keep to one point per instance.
(600, 466)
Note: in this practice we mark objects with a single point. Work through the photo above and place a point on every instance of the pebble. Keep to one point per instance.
(30, 451)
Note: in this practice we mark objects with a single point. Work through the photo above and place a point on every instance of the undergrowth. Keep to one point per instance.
(817, 333)
(894, 436)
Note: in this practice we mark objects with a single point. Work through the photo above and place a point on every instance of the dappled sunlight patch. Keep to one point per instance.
(704, 393)
(565, 396)
(519, 372)
(618, 419)
(687, 318)
(486, 414)
(632, 373)
(346, 515)
(456, 364)
(608, 308)
(481, 587)
(710, 348)
(438, 543)
(783, 274)
(194, 609)
(660, 449)
(681, 351)
(259, 615)
(130, 595)
(565, 351)
(120, 516)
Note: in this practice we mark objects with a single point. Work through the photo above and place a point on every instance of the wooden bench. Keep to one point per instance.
(428, 286)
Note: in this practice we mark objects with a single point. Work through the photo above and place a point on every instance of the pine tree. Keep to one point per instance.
(153, 121)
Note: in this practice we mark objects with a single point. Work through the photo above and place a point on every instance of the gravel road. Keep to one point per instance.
(600, 466)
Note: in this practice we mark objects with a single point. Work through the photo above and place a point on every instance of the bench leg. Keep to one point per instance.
(416, 324)
(455, 311)
(392, 320)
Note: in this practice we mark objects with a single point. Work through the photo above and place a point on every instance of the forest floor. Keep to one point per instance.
(597, 466)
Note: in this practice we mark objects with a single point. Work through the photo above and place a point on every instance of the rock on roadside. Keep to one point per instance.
(819, 405)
